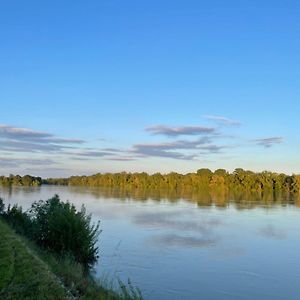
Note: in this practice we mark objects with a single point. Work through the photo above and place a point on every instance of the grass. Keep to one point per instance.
(22, 274)
(29, 272)
(83, 286)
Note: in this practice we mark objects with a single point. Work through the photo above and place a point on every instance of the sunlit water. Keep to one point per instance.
(190, 249)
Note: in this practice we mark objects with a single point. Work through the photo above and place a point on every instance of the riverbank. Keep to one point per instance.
(28, 272)
(23, 274)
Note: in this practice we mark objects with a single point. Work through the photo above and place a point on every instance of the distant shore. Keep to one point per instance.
(203, 179)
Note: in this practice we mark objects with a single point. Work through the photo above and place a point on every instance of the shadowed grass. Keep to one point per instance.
(22, 274)
(83, 286)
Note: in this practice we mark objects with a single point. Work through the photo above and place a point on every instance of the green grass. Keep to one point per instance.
(29, 272)
(83, 286)
(22, 274)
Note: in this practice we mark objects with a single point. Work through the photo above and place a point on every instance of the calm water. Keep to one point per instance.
(193, 246)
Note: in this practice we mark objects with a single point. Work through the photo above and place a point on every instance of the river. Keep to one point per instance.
(189, 247)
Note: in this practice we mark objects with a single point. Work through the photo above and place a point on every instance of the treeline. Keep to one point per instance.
(17, 180)
(203, 179)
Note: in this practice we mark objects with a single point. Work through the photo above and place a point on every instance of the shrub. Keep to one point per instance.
(59, 227)
(18, 219)
(2, 206)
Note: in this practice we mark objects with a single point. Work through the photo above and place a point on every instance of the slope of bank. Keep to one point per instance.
(22, 274)
(27, 272)
(49, 253)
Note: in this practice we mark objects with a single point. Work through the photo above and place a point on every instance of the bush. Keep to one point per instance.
(59, 227)
(18, 219)
(2, 206)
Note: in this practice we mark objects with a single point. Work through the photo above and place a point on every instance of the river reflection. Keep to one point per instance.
(190, 245)
(203, 198)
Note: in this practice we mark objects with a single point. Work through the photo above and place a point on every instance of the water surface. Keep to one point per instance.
(190, 246)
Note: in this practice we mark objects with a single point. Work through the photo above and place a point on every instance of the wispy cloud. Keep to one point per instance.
(16, 162)
(179, 149)
(269, 142)
(105, 153)
(20, 146)
(92, 154)
(171, 149)
(114, 150)
(188, 143)
(222, 120)
(11, 132)
(26, 140)
(177, 131)
(28, 135)
(122, 158)
(149, 150)
(180, 144)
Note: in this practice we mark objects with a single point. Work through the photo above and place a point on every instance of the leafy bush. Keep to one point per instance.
(59, 227)
(18, 219)
(2, 206)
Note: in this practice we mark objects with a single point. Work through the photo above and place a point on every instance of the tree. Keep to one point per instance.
(204, 172)
(221, 172)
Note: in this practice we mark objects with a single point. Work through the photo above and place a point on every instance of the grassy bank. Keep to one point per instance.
(81, 285)
(29, 272)
(22, 274)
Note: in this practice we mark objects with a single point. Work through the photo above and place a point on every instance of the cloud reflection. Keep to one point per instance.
(172, 231)
(175, 240)
(166, 220)
(273, 233)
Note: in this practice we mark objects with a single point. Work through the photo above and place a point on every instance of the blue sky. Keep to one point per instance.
(106, 86)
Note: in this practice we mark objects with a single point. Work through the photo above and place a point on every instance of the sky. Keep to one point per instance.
(157, 86)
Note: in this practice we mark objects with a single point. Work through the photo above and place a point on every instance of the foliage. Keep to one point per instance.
(58, 226)
(18, 219)
(2, 206)
(55, 181)
(203, 179)
(17, 180)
